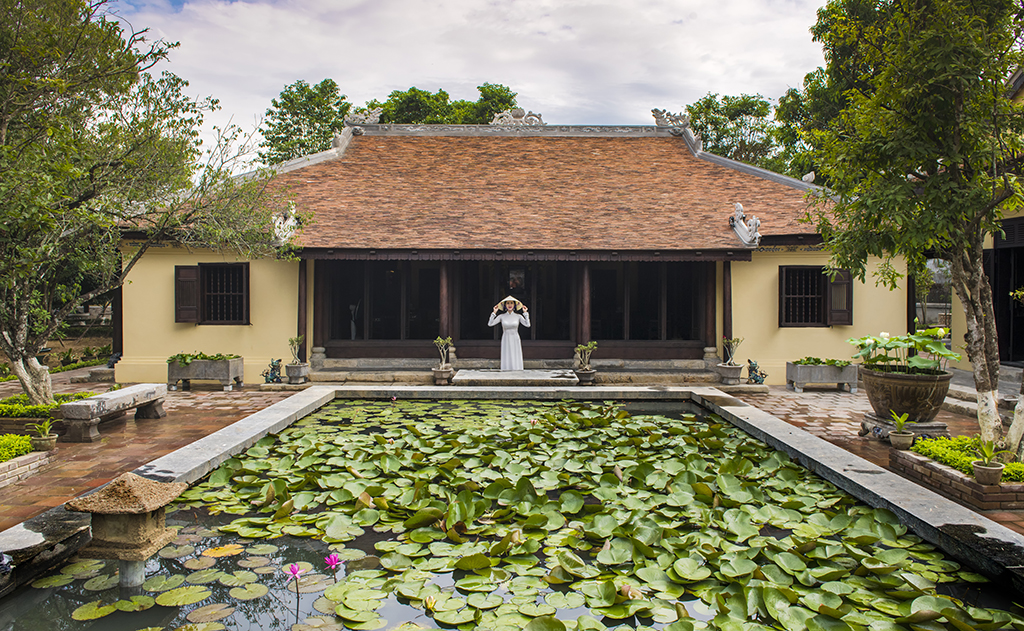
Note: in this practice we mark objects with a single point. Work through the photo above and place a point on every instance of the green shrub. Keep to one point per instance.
(81, 364)
(817, 361)
(12, 446)
(17, 406)
(184, 359)
(959, 452)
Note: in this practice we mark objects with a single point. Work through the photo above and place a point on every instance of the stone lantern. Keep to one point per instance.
(128, 522)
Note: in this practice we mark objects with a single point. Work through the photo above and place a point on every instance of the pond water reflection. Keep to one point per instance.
(509, 515)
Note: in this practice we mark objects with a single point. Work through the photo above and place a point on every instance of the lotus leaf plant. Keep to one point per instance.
(923, 352)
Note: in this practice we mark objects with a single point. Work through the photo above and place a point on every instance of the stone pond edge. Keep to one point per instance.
(994, 550)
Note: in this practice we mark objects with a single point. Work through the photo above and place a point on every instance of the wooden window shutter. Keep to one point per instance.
(186, 293)
(840, 299)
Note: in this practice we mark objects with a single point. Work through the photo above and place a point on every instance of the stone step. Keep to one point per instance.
(970, 408)
(96, 375)
(964, 393)
(602, 365)
(636, 377)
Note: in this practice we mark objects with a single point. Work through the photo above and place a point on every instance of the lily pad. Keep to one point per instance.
(92, 611)
(223, 551)
(250, 591)
(199, 563)
(101, 583)
(261, 549)
(210, 613)
(253, 562)
(163, 583)
(57, 580)
(202, 577)
(237, 579)
(176, 552)
(135, 603)
(182, 596)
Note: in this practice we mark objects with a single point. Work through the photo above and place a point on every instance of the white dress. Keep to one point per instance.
(511, 347)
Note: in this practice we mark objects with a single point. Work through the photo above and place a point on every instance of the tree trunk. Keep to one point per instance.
(35, 380)
(980, 340)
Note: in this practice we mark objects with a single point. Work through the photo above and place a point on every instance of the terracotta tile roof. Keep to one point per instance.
(534, 193)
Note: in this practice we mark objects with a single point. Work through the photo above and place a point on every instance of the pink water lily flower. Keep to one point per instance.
(294, 571)
(332, 561)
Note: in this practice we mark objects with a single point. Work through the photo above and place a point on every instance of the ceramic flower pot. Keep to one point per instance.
(443, 376)
(918, 396)
(297, 373)
(988, 475)
(44, 443)
(730, 374)
(901, 440)
(586, 377)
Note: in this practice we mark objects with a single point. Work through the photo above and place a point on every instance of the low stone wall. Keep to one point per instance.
(954, 484)
(16, 425)
(23, 466)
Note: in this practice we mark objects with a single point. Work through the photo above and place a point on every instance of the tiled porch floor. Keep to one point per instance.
(832, 415)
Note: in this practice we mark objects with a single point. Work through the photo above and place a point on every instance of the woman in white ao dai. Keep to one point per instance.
(511, 347)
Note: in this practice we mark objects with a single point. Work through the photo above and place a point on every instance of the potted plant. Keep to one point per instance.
(987, 470)
(581, 363)
(88, 352)
(905, 373)
(44, 440)
(297, 371)
(807, 370)
(443, 372)
(228, 369)
(67, 357)
(901, 438)
(729, 369)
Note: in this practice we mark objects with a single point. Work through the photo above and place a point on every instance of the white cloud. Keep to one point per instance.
(574, 61)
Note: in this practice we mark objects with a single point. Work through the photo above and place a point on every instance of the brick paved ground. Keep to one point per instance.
(835, 416)
(125, 445)
(832, 415)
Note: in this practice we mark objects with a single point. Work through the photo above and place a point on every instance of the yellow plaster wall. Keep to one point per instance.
(151, 335)
(755, 314)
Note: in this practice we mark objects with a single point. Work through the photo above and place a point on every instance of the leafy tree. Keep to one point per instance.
(415, 106)
(302, 120)
(90, 146)
(736, 127)
(927, 153)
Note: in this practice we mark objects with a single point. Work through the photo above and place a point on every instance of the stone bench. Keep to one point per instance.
(82, 417)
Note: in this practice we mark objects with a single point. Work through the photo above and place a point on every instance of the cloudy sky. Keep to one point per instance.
(573, 61)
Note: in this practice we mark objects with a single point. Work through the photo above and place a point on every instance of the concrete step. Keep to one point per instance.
(602, 365)
(635, 377)
(964, 393)
(970, 408)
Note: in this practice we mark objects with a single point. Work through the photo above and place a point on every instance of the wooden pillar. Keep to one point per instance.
(319, 307)
(585, 304)
(446, 310)
(710, 300)
(727, 299)
(302, 309)
(117, 321)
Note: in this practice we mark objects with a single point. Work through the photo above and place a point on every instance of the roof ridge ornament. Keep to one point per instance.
(517, 117)
(746, 229)
(663, 118)
(366, 117)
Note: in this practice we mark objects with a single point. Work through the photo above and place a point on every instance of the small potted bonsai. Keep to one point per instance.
(581, 363)
(729, 369)
(45, 439)
(443, 372)
(297, 371)
(67, 357)
(901, 438)
(987, 470)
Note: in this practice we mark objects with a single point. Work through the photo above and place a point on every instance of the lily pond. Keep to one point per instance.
(512, 515)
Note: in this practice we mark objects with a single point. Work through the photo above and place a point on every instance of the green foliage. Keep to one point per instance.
(583, 352)
(817, 361)
(730, 344)
(91, 144)
(443, 344)
(294, 343)
(13, 445)
(184, 359)
(42, 429)
(925, 154)
(899, 420)
(736, 127)
(415, 106)
(987, 451)
(960, 452)
(893, 353)
(18, 406)
(302, 120)
(66, 357)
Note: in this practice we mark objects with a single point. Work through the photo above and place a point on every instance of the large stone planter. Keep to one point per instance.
(799, 375)
(228, 372)
(920, 397)
(297, 373)
(730, 374)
